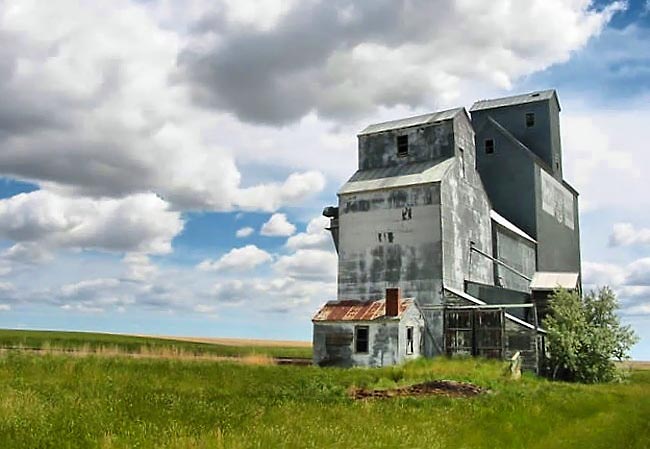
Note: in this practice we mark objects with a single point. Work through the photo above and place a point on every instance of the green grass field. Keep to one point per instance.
(69, 401)
(95, 342)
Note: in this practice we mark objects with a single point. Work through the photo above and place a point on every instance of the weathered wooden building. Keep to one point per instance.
(371, 333)
(460, 214)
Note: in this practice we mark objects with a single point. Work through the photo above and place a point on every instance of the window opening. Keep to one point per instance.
(530, 119)
(462, 161)
(489, 146)
(402, 145)
(361, 339)
(409, 340)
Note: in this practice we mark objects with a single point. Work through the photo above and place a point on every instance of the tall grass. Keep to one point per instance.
(55, 401)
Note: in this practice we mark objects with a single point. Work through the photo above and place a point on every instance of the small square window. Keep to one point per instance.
(530, 119)
(361, 339)
(489, 146)
(402, 145)
(409, 340)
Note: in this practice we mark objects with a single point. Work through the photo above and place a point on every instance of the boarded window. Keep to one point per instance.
(402, 145)
(361, 339)
(409, 340)
(530, 119)
(489, 146)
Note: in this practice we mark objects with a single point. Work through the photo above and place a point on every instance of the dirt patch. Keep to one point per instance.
(447, 388)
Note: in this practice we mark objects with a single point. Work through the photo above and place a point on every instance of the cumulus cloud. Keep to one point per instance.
(40, 221)
(344, 58)
(237, 259)
(86, 112)
(630, 281)
(93, 296)
(244, 232)
(625, 234)
(309, 264)
(139, 267)
(316, 236)
(278, 226)
(278, 295)
(604, 145)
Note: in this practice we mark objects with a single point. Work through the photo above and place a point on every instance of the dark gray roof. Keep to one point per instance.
(530, 97)
(411, 121)
(398, 176)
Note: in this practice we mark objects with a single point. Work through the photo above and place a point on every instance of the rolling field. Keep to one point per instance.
(65, 401)
(57, 341)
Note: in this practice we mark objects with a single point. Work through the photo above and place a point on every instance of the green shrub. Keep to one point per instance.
(585, 336)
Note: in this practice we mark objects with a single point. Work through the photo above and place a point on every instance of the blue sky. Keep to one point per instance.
(163, 165)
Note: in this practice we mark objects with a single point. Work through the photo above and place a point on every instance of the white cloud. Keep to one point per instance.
(638, 272)
(270, 197)
(94, 295)
(27, 252)
(594, 273)
(315, 236)
(139, 267)
(280, 294)
(86, 112)
(349, 58)
(42, 220)
(630, 281)
(604, 146)
(625, 234)
(7, 287)
(5, 307)
(277, 226)
(237, 259)
(308, 264)
(244, 232)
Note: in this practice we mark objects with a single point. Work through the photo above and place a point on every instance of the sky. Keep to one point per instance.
(164, 164)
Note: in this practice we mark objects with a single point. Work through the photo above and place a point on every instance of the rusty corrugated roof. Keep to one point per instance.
(348, 310)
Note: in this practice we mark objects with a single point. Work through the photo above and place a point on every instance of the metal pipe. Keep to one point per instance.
(518, 273)
(481, 306)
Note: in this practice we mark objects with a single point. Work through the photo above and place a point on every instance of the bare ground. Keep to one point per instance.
(447, 388)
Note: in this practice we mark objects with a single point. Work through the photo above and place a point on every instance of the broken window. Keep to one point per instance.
(361, 339)
(489, 146)
(402, 145)
(530, 119)
(409, 340)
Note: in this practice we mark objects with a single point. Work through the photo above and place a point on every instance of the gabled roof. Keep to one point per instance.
(411, 121)
(479, 302)
(530, 97)
(348, 310)
(546, 280)
(398, 176)
(497, 218)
